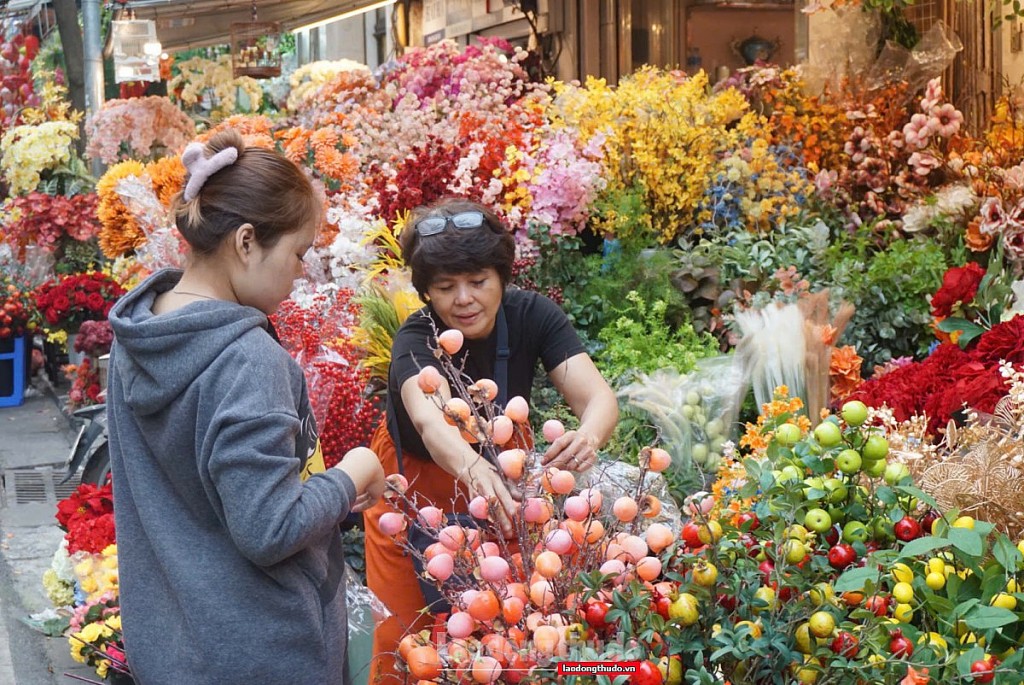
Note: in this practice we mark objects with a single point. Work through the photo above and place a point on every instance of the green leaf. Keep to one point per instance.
(855, 579)
(919, 494)
(967, 541)
(924, 545)
(1006, 553)
(983, 617)
(963, 607)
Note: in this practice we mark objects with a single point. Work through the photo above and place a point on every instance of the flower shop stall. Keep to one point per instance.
(855, 243)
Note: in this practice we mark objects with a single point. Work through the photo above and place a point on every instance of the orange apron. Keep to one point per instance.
(389, 569)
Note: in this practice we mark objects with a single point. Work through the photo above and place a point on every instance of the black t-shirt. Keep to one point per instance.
(537, 329)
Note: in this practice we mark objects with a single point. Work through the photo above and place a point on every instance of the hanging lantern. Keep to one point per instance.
(136, 50)
(254, 49)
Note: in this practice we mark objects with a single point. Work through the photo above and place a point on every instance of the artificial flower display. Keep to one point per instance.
(48, 221)
(137, 128)
(28, 152)
(67, 301)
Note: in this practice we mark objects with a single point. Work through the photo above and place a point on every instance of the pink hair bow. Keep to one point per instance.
(200, 168)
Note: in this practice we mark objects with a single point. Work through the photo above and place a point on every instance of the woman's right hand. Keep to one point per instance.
(481, 478)
(363, 467)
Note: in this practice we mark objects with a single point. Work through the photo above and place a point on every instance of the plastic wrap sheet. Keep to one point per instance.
(613, 479)
(843, 44)
(163, 247)
(927, 60)
(366, 611)
(694, 413)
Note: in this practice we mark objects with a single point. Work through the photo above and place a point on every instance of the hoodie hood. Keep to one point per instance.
(158, 357)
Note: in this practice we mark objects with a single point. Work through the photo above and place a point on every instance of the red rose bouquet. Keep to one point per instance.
(17, 309)
(69, 300)
(48, 220)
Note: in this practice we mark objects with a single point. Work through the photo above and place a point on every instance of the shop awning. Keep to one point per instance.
(182, 24)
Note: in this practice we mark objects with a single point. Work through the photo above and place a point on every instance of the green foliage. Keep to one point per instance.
(890, 289)
(641, 340)
(749, 257)
(625, 214)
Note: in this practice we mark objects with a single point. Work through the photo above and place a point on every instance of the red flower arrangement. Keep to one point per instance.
(959, 286)
(45, 220)
(94, 338)
(85, 384)
(17, 310)
(944, 382)
(318, 337)
(87, 517)
(72, 299)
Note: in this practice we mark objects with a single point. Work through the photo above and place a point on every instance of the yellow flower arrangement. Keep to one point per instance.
(120, 233)
(55, 105)
(667, 134)
(29, 150)
(210, 83)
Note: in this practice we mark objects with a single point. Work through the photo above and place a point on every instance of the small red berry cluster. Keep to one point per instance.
(319, 336)
(521, 276)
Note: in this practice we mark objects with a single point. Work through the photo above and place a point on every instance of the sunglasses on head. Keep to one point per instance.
(432, 225)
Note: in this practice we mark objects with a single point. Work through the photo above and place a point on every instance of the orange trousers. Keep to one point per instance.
(389, 569)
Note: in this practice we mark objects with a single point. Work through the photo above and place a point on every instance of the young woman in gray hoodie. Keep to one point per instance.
(230, 556)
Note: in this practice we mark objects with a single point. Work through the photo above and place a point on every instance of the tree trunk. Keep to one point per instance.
(74, 55)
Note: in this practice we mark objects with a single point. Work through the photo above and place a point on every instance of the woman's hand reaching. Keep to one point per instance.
(574, 451)
(482, 478)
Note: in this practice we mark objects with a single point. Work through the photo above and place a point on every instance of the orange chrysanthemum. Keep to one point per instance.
(120, 233)
(756, 438)
(168, 176)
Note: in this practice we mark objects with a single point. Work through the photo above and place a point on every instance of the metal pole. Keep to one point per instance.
(93, 53)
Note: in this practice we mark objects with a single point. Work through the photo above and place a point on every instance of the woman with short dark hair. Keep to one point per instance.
(461, 256)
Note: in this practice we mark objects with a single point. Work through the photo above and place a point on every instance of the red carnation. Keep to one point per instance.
(959, 284)
(1004, 342)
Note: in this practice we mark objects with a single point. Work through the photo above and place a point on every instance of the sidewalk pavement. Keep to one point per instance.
(34, 442)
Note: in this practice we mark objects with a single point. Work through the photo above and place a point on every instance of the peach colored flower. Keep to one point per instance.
(915, 677)
(844, 371)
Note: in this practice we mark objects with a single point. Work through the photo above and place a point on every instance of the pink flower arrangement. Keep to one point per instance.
(565, 181)
(137, 128)
(45, 220)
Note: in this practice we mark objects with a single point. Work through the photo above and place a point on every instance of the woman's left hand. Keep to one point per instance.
(574, 451)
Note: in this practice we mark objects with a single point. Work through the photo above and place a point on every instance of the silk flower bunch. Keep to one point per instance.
(67, 301)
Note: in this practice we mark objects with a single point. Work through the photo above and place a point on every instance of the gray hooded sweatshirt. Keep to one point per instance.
(230, 564)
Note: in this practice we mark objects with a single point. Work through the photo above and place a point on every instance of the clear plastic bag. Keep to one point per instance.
(695, 413)
(366, 611)
(163, 247)
(613, 479)
(927, 60)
